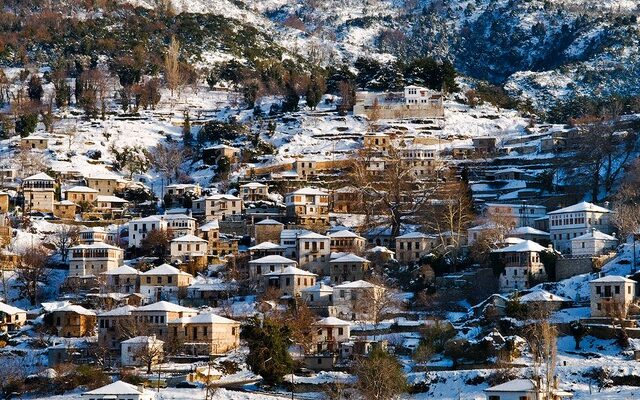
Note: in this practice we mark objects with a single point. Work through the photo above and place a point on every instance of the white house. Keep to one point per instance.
(11, 318)
(593, 243)
(119, 390)
(139, 228)
(522, 389)
(319, 295)
(330, 332)
(289, 241)
(576, 220)
(350, 299)
(164, 282)
(188, 247)
(134, 351)
(611, 294)
(522, 264)
(290, 281)
(254, 191)
(180, 224)
(271, 263)
(309, 206)
(313, 251)
(217, 206)
(514, 215)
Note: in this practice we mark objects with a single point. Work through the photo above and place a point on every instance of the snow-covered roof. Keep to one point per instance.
(166, 306)
(269, 221)
(143, 339)
(594, 234)
(65, 203)
(516, 385)
(273, 259)
(111, 199)
(210, 225)
(522, 247)
(150, 218)
(613, 279)
(39, 177)
(205, 318)
(291, 271)
(222, 197)
(527, 230)
(81, 189)
(355, 285)
(293, 233)
(380, 249)
(312, 235)
(332, 321)
(188, 238)
(122, 270)
(582, 206)
(414, 235)
(539, 296)
(343, 234)
(118, 388)
(310, 191)
(96, 245)
(165, 269)
(253, 185)
(118, 312)
(318, 287)
(265, 246)
(176, 216)
(349, 258)
(75, 309)
(11, 310)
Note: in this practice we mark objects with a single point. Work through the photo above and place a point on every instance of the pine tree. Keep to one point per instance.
(291, 99)
(34, 89)
(268, 349)
(187, 136)
(315, 91)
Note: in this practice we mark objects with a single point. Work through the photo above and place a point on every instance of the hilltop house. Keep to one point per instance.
(189, 248)
(164, 282)
(39, 192)
(271, 263)
(611, 295)
(134, 352)
(593, 243)
(217, 206)
(139, 228)
(155, 317)
(113, 325)
(268, 230)
(35, 142)
(205, 334)
(411, 246)
(413, 102)
(290, 281)
(353, 300)
(254, 191)
(330, 332)
(92, 256)
(119, 390)
(123, 279)
(73, 321)
(349, 267)
(11, 318)
(346, 241)
(308, 206)
(576, 220)
(105, 184)
(523, 265)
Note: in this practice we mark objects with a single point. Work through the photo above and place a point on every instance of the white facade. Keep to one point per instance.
(134, 350)
(592, 243)
(140, 228)
(610, 294)
(218, 206)
(119, 391)
(313, 251)
(188, 247)
(576, 220)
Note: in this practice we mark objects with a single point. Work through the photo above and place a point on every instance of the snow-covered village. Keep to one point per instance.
(302, 199)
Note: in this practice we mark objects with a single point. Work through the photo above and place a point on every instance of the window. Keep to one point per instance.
(494, 397)
(617, 289)
(340, 331)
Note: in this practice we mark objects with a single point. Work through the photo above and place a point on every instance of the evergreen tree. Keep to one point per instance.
(315, 91)
(291, 99)
(34, 88)
(187, 136)
(26, 124)
(268, 349)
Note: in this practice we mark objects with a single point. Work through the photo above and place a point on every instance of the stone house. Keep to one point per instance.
(345, 241)
(11, 318)
(217, 206)
(123, 279)
(350, 300)
(268, 230)
(313, 251)
(39, 192)
(576, 220)
(308, 206)
(205, 334)
(254, 191)
(112, 325)
(164, 282)
(65, 209)
(411, 246)
(73, 321)
(611, 295)
(349, 267)
(135, 351)
(523, 265)
(190, 248)
(266, 264)
(329, 333)
(35, 142)
(290, 281)
(155, 317)
(139, 228)
(119, 390)
(593, 243)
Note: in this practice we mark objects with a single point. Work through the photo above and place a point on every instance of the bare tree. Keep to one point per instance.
(376, 304)
(391, 195)
(149, 352)
(167, 159)
(28, 162)
(626, 202)
(65, 237)
(31, 271)
(618, 312)
(542, 337)
(380, 376)
(172, 65)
